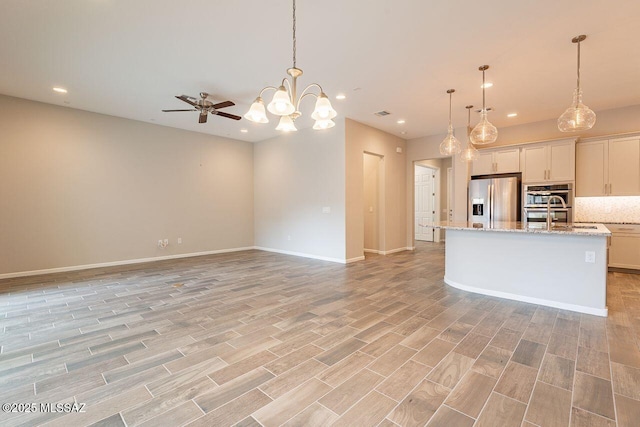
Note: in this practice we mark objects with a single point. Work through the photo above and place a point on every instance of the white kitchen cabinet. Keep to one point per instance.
(624, 250)
(608, 167)
(549, 162)
(497, 161)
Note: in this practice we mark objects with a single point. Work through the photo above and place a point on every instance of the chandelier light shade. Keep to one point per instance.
(484, 132)
(470, 153)
(578, 116)
(286, 102)
(450, 144)
(256, 113)
(286, 124)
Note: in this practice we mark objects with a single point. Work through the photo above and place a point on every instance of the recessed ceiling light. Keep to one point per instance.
(403, 133)
(59, 89)
(244, 130)
(486, 85)
(400, 122)
(512, 114)
(340, 96)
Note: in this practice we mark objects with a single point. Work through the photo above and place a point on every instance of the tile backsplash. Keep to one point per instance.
(607, 209)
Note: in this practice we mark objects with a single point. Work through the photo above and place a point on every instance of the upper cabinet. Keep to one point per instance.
(497, 161)
(549, 162)
(608, 167)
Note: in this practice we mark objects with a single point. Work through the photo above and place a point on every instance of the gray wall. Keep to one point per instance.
(296, 176)
(80, 188)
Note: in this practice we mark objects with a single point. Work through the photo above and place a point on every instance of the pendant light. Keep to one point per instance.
(578, 116)
(286, 100)
(450, 144)
(484, 132)
(470, 153)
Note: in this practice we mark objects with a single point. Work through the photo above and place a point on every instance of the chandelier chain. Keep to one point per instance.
(294, 33)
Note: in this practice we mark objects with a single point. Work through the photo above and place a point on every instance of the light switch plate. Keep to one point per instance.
(326, 209)
(590, 257)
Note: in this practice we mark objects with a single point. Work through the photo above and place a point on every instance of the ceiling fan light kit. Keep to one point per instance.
(286, 103)
(578, 116)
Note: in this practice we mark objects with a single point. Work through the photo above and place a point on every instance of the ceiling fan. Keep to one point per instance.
(204, 106)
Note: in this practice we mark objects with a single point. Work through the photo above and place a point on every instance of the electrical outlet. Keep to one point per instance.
(179, 240)
(326, 209)
(288, 237)
(590, 257)
(166, 242)
(159, 243)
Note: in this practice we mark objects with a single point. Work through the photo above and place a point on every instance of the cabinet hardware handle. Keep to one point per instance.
(610, 190)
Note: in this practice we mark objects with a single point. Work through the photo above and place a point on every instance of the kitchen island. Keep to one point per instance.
(565, 267)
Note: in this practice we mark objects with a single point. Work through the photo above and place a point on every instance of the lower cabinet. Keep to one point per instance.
(624, 250)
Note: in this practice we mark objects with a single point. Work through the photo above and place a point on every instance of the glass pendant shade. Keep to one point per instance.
(323, 110)
(286, 124)
(281, 104)
(469, 154)
(484, 132)
(323, 124)
(256, 113)
(450, 144)
(577, 117)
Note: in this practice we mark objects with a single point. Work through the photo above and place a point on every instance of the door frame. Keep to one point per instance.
(381, 205)
(436, 204)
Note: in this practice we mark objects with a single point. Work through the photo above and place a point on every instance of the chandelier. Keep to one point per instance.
(578, 116)
(484, 132)
(470, 153)
(286, 103)
(450, 145)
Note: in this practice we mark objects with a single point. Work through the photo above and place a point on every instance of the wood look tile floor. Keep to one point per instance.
(255, 338)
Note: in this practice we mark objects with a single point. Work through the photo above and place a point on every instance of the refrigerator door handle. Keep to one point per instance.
(490, 193)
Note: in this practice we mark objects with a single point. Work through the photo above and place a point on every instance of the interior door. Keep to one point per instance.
(424, 203)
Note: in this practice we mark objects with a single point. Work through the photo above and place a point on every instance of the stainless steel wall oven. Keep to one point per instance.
(535, 202)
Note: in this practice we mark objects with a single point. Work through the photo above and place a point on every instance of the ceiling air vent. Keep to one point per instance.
(382, 113)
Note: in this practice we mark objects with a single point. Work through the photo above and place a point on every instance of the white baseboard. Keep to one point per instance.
(301, 254)
(392, 251)
(118, 263)
(549, 303)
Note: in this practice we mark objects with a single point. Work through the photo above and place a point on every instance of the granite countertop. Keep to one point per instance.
(577, 229)
(612, 222)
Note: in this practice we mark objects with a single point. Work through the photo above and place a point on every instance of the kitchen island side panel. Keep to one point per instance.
(548, 269)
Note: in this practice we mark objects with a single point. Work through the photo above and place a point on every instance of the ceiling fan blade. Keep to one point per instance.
(187, 99)
(224, 104)
(227, 115)
(203, 118)
(171, 111)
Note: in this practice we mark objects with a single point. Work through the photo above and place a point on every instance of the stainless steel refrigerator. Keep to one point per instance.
(494, 198)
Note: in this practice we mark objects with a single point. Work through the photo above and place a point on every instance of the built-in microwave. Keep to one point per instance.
(539, 215)
(538, 195)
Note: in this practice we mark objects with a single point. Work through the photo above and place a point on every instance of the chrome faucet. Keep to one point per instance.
(564, 205)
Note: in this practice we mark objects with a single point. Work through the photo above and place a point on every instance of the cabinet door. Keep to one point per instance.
(591, 158)
(562, 162)
(624, 251)
(507, 160)
(535, 164)
(624, 167)
(484, 164)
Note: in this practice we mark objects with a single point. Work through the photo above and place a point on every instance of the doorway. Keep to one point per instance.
(373, 206)
(433, 197)
(425, 202)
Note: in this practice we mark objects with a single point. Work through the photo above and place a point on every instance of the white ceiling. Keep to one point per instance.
(128, 58)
